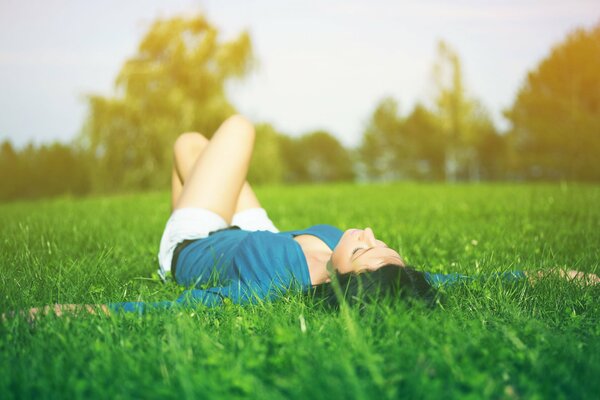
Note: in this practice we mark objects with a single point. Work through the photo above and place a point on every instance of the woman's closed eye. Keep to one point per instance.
(354, 256)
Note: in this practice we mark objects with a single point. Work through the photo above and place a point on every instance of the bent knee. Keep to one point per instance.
(240, 124)
(189, 141)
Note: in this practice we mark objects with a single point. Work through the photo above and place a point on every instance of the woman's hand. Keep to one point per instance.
(582, 278)
(59, 310)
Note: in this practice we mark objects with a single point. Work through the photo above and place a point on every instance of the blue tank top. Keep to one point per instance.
(253, 258)
(242, 266)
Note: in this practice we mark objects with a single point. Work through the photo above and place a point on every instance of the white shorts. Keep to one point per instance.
(197, 223)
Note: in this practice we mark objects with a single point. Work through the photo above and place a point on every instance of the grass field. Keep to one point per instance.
(486, 340)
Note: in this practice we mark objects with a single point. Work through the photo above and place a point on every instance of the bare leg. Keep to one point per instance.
(247, 199)
(218, 176)
(188, 148)
(176, 187)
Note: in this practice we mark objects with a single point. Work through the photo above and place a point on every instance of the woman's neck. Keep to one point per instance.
(317, 254)
(317, 266)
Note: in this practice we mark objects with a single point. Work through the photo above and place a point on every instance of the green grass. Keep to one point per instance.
(486, 340)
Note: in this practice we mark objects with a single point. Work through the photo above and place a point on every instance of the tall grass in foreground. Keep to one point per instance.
(488, 339)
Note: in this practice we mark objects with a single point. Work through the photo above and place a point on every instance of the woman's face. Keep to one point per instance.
(358, 250)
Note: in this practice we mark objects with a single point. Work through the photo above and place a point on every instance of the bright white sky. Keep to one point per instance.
(322, 64)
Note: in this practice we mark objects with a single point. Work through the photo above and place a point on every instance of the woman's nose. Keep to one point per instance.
(369, 237)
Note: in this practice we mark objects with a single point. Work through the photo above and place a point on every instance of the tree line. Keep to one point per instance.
(175, 82)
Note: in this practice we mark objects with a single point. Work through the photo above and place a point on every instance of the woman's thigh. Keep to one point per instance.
(218, 175)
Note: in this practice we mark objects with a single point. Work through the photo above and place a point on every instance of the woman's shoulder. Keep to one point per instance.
(327, 233)
(312, 228)
(323, 228)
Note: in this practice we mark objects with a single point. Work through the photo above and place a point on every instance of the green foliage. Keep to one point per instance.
(173, 84)
(394, 147)
(488, 340)
(425, 152)
(456, 140)
(556, 114)
(44, 171)
(464, 122)
(382, 141)
(268, 162)
(316, 157)
(313, 157)
(325, 159)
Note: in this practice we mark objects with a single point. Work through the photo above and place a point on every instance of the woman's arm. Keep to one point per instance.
(453, 279)
(237, 294)
(59, 310)
(583, 278)
(444, 280)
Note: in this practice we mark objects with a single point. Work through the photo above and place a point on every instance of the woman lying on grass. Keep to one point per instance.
(220, 242)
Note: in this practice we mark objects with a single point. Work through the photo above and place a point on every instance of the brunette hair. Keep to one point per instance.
(391, 280)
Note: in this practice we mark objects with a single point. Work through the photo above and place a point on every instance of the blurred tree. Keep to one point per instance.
(454, 141)
(383, 149)
(11, 172)
(315, 157)
(59, 169)
(174, 83)
(49, 170)
(295, 160)
(426, 157)
(556, 114)
(489, 159)
(416, 147)
(325, 158)
(395, 147)
(268, 163)
(452, 108)
(464, 121)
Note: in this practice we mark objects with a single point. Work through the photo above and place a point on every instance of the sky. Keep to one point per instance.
(321, 64)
